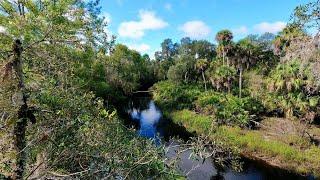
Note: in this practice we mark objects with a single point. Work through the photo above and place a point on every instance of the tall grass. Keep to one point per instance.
(302, 160)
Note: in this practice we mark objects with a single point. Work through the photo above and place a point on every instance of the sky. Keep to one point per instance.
(143, 24)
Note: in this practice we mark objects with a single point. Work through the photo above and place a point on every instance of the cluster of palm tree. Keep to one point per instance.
(290, 86)
(239, 56)
(222, 65)
(224, 39)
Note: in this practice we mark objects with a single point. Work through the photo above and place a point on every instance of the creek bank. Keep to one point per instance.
(294, 156)
(143, 115)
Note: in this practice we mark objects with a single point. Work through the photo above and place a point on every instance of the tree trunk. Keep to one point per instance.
(186, 77)
(212, 82)
(240, 82)
(223, 56)
(227, 61)
(20, 144)
(204, 80)
(229, 84)
(21, 124)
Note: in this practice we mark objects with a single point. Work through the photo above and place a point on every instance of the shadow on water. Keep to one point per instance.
(143, 114)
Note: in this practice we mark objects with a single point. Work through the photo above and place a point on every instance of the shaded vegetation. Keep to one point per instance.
(61, 71)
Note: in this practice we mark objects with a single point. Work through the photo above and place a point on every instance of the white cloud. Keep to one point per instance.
(269, 27)
(142, 48)
(168, 6)
(242, 30)
(136, 29)
(3, 29)
(195, 29)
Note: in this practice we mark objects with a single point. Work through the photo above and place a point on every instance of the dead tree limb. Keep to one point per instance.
(24, 113)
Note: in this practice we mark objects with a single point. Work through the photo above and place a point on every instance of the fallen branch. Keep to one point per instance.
(67, 175)
(142, 91)
(258, 124)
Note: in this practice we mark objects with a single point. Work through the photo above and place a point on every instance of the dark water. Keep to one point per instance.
(147, 117)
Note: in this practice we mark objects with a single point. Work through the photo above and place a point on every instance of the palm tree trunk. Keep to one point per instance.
(240, 82)
(186, 77)
(223, 56)
(229, 84)
(204, 80)
(227, 61)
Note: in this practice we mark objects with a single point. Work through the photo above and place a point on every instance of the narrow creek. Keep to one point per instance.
(146, 117)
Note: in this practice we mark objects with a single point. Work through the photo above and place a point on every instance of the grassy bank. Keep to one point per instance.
(296, 156)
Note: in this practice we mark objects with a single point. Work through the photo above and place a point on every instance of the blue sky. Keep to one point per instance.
(144, 24)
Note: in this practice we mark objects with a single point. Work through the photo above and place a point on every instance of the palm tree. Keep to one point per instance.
(284, 38)
(201, 65)
(287, 83)
(223, 76)
(224, 39)
(244, 55)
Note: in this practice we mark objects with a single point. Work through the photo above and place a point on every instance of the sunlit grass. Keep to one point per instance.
(303, 160)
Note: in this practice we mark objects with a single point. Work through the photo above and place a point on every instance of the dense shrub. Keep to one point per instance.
(170, 95)
(227, 108)
(292, 88)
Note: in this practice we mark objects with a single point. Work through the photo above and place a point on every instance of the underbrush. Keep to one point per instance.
(169, 95)
(225, 108)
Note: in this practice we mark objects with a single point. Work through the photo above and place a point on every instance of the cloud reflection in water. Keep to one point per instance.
(148, 120)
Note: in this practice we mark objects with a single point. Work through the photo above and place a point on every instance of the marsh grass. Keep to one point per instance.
(295, 154)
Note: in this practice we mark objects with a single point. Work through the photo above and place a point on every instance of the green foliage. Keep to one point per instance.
(228, 109)
(74, 76)
(176, 61)
(161, 68)
(201, 65)
(170, 95)
(183, 70)
(177, 72)
(122, 69)
(193, 121)
(283, 39)
(203, 49)
(169, 49)
(289, 89)
(225, 108)
(225, 71)
(66, 67)
(265, 72)
(263, 41)
(222, 77)
(82, 130)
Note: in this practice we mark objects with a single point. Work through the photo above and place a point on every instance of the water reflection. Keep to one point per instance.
(148, 120)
